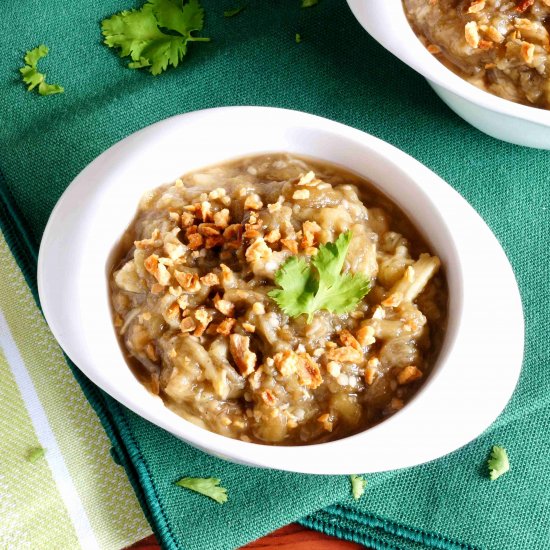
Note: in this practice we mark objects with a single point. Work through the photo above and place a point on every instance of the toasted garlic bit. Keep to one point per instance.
(286, 362)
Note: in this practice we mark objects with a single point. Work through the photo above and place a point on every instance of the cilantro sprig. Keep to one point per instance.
(307, 288)
(208, 486)
(157, 35)
(33, 78)
(498, 462)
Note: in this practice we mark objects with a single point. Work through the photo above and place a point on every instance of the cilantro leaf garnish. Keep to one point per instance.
(36, 453)
(298, 38)
(307, 290)
(142, 34)
(498, 462)
(33, 78)
(234, 11)
(358, 485)
(205, 486)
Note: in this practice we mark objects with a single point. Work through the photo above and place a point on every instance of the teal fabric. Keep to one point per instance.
(340, 73)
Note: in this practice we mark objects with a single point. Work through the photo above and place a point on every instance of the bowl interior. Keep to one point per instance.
(96, 209)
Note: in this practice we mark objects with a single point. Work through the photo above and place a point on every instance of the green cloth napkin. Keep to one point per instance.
(338, 72)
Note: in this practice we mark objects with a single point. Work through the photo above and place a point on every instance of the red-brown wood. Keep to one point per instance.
(291, 537)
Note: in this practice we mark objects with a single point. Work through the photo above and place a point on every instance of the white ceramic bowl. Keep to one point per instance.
(386, 22)
(481, 357)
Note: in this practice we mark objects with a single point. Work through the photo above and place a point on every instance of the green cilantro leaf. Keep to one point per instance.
(304, 291)
(205, 486)
(138, 34)
(309, 3)
(298, 38)
(33, 78)
(498, 462)
(35, 454)
(234, 11)
(358, 485)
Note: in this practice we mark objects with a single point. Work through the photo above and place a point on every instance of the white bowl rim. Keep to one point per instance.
(389, 26)
(348, 455)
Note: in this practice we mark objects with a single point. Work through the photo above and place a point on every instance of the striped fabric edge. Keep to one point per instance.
(99, 498)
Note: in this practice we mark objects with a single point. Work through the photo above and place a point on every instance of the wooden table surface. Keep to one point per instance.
(291, 537)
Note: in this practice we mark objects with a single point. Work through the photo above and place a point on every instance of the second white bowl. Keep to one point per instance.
(386, 22)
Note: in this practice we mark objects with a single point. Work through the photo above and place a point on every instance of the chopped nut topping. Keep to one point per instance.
(291, 244)
(258, 250)
(204, 318)
(211, 279)
(310, 231)
(276, 205)
(301, 194)
(249, 327)
(226, 326)
(205, 210)
(159, 271)
(209, 230)
(273, 236)
(253, 202)
(365, 336)
(258, 308)
(195, 241)
(188, 281)
(146, 243)
(346, 354)
(370, 375)
(187, 324)
(309, 373)
(409, 374)
(348, 339)
(157, 289)
(187, 219)
(224, 306)
(308, 179)
(243, 357)
(334, 368)
(476, 6)
(221, 218)
(286, 362)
